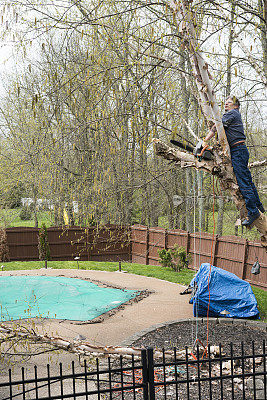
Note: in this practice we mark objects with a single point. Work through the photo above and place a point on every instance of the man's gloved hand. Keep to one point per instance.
(199, 147)
(202, 149)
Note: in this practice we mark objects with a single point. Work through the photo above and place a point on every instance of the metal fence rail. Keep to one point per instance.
(240, 374)
(75, 385)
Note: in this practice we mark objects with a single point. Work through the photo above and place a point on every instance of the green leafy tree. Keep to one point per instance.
(105, 78)
(14, 195)
(25, 214)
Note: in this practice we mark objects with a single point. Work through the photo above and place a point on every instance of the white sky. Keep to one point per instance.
(7, 62)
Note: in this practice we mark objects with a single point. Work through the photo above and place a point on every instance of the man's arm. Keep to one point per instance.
(210, 134)
(228, 118)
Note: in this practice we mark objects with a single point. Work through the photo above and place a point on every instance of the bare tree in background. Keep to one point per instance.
(109, 78)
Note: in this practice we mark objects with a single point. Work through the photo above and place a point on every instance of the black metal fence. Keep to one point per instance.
(240, 373)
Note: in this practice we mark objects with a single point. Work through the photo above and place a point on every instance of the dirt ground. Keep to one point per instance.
(187, 333)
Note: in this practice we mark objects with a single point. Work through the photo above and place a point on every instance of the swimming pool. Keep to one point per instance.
(57, 297)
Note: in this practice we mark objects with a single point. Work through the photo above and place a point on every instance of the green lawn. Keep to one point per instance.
(10, 218)
(184, 277)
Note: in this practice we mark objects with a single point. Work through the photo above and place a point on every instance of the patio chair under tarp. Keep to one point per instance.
(230, 296)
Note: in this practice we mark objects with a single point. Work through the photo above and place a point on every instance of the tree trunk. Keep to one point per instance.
(201, 209)
(34, 191)
(207, 215)
(263, 26)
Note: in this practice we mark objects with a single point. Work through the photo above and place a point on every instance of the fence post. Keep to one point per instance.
(150, 369)
(187, 242)
(244, 258)
(144, 374)
(214, 250)
(165, 239)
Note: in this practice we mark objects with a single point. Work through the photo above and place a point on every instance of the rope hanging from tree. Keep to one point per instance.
(197, 265)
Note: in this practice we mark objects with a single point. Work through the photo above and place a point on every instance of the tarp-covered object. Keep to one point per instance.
(230, 296)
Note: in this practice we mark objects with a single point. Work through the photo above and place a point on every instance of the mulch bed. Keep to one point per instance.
(184, 334)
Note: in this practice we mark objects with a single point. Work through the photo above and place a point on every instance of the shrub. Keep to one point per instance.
(180, 257)
(91, 221)
(25, 214)
(166, 258)
(4, 249)
(175, 258)
(43, 245)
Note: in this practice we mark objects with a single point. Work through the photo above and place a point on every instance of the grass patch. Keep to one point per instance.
(167, 274)
(11, 218)
(261, 296)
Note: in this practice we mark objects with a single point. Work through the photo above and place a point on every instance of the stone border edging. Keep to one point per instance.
(129, 341)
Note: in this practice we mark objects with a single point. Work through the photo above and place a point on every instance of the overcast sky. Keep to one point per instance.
(7, 61)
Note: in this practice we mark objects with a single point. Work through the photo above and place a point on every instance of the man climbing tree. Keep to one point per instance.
(234, 130)
(185, 17)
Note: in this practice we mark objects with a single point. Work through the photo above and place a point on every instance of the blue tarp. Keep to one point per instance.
(230, 296)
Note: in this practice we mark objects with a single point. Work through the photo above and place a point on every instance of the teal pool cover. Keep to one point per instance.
(57, 298)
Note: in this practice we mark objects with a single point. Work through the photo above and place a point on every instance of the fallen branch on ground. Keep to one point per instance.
(88, 349)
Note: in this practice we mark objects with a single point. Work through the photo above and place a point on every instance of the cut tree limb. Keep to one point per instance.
(169, 153)
(85, 348)
(257, 164)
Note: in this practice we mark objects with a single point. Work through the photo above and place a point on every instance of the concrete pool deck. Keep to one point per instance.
(163, 305)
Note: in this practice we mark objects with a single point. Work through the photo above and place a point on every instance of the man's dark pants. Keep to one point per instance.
(240, 156)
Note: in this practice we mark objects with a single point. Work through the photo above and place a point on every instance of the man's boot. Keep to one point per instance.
(250, 219)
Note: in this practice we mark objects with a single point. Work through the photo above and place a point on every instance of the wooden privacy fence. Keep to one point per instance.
(110, 243)
(140, 244)
(232, 253)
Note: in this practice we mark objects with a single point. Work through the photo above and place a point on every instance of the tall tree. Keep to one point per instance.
(220, 166)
